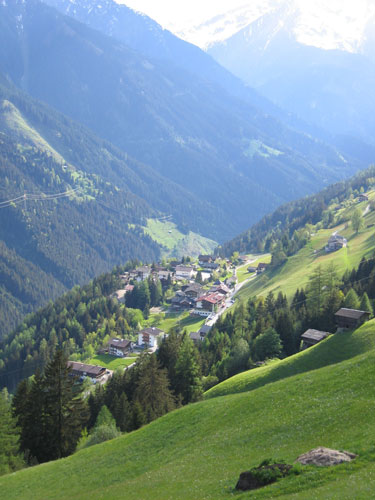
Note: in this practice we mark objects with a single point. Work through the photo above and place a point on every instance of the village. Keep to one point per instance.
(198, 290)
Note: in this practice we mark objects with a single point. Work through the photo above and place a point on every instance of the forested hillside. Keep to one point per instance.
(191, 130)
(291, 217)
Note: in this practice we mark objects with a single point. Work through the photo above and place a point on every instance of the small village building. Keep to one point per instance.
(251, 269)
(204, 330)
(82, 371)
(346, 319)
(363, 197)
(119, 347)
(184, 272)
(148, 336)
(119, 295)
(261, 267)
(205, 259)
(143, 273)
(243, 258)
(182, 301)
(312, 337)
(195, 337)
(335, 242)
(231, 282)
(211, 302)
(164, 275)
(194, 290)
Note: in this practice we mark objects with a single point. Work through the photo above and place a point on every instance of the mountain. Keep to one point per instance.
(310, 69)
(51, 241)
(192, 131)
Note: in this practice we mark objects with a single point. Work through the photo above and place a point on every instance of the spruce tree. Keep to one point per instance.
(365, 304)
(65, 412)
(123, 413)
(188, 376)
(351, 300)
(138, 415)
(10, 459)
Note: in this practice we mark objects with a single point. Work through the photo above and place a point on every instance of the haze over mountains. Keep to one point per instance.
(147, 125)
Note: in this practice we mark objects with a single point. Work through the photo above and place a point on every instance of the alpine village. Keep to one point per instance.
(187, 249)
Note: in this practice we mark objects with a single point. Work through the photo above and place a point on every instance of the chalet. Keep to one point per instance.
(82, 371)
(194, 290)
(182, 301)
(251, 269)
(210, 266)
(119, 347)
(312, 337)
(223, 289)
(143, 273)
(205, 259)
(347, 319)
(148, 336)
(184, 272)
(363, 197)
(164, 275)
(243, 258)
(335, 242)
(211, 302)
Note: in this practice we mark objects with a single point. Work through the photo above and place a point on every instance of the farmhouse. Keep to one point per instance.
(350, 318)
(148, 336)
(119, 347)
(205, 259)
(363, 197)
(335, 242)
(143, 273)
(312, 337)
(193, 290)
(261, 267)
(81, 370)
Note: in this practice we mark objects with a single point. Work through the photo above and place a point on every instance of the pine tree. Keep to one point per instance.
(138, 416)
(105, 417)
(365, 304)
(188, 380)
(153, 391)
(123, 413)
(65, 413)
(10, 459)
(351, 300)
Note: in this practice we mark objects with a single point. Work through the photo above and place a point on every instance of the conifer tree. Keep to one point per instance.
(351, 300)
(365, 304)
(10, 459)
(153, 390)
(123, 413)
(188, 377)
(138, 416)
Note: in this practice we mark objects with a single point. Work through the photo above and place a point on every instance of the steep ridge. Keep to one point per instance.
(200, 450)
(191, 130)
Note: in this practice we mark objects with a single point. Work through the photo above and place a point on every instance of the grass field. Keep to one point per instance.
(296, 271)
(176, 243)
(184, 320)
(242, 272)
(199, 451)
(110, 362)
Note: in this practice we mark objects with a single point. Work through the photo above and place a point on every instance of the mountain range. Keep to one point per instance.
(145, 125)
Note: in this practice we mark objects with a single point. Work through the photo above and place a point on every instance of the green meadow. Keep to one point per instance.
(296, 271)
(110, 362)
(322, 397)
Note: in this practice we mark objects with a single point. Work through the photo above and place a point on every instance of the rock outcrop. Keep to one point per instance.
(324, 457)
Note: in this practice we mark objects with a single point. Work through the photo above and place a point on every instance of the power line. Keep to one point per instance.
(38, 197)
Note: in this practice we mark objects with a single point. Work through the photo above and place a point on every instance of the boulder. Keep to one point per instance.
(324, 457)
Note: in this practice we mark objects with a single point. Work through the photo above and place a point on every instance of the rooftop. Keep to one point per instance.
(350, 313)
(316, 335)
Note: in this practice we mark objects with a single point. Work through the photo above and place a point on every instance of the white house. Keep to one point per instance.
(119, 347)
(184, 272)
(148, 336)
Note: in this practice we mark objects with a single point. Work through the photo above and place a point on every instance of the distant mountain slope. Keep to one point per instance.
(329, 88)
(192, 131)
(202, 448)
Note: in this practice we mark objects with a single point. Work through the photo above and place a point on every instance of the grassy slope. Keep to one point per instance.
(300, 266)
(110, 362)
(176, 243)
(334, 349)
(198, 451)
(242, 272)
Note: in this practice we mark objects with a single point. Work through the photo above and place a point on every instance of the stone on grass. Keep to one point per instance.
(324, 457)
